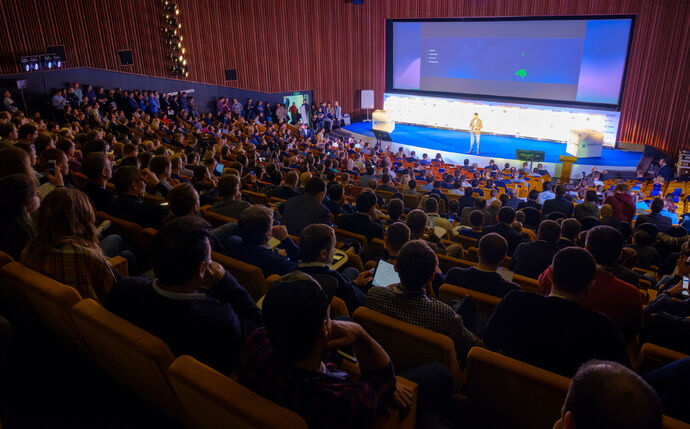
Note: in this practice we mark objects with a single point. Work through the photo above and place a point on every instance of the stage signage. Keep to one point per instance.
(529, 155)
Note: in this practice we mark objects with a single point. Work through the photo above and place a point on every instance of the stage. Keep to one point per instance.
(453, 146)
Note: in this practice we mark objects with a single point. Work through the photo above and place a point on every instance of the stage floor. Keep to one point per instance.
(500, 147)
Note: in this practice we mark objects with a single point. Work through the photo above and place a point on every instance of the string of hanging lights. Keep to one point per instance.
(172, 32)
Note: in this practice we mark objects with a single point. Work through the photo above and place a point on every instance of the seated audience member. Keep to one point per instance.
(193, 304)
(467, 200)
(545, 194)
(230, 201)
(416, 221)
(162, 168)
(317, 247)
(412, 189)
(609, 294)
(588, 207)
(434, 219)
(305, 209)
(396, 207)
(130, 184)
(484, 277)
(476, 224)
(609, 395)
(407, 301)
(363, 222)
(532, 197)
(570, 229)
(336, 202)
(394, 239)
(66, 247)
(608, 219)
(20, 199)
(647, 255)
(479, 204)
(98, 170)
(670, 383)
(661, 222)
(183, 200)
(521, 218)
(513, 201)
(255, 228)
(284, 362)
(505, 217)
(288, 188)
(531, 258)
(386, 184)
(622, 204)
(556, 332)
(558, 204)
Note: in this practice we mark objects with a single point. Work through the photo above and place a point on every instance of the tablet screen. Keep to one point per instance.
(385, 274)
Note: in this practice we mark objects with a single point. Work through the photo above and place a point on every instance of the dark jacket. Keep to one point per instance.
(303, 210)
(552, 333)
(284, 192)
(532, 258)
(210, 327)
(338, 209)
(144, 213)
(585, 209)
(263, 257)
(360, 223)
(558, 204)
(512, 237)
(346, 291)
(481, 281)
(230, 208)
(529, 203)
(99, 197)
(657, 219)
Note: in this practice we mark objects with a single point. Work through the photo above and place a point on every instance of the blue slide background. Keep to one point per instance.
(544, 60)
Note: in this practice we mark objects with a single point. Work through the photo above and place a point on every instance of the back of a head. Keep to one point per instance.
(159, 164)
(533, 195)
(606, 210)
(315, 238)
(560, 190)
(178, 249)
(591, 196)
(183, 200)
(570, 228)
(416, 221)
(395, 208)
(546, 186)
(605, 244)
(291, 178)
(335, 191)
(492, 249)
(314, 186)
(66, 213)
(412, 184)
(506, 215)
(227, 185)
(396, 236)
(608, 395)
(16, 191)
(657, 205)
(416, 264)
(550, 231)
(123, 178)
(294, 311)
(479, 203)
(93, 165)
(365, 201)
(621, 188)
(431, 205)
(572, 270)
(643, 238)
(476, 219)
(254, 224)
(468, 192)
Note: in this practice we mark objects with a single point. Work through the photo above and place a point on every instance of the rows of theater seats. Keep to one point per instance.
(493, 390)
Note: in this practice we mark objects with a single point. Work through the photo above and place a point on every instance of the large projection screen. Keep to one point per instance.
(578, 61)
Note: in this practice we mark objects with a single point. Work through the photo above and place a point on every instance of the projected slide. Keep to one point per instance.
(578, 60)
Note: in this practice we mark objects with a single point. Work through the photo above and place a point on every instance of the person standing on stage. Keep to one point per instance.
(475, 131)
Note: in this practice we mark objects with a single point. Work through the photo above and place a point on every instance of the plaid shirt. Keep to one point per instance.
(328, 399)
(83, 268)
(416, 308)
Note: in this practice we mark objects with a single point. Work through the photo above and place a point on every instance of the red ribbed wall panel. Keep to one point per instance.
(337, 48)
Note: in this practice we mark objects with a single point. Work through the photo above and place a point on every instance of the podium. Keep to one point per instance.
(585, 143)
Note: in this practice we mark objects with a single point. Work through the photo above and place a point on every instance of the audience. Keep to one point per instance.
(558, 204)
(193, 304)
(531, 258)
(20, 199)
(416, 265)
(484, 277)
(130, 184)
(502, 228)
(556, 332)
(608, 294)
(255, 229)
(609, 395)
(98, 170)
(66, 247)
(621, 202)
(588, 207)
(655, 218)
(230, 201)
(570, 229)
(363, 222)
(306, 209)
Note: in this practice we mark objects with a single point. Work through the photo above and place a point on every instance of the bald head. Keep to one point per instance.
(609, 395)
